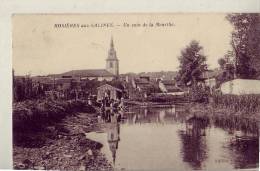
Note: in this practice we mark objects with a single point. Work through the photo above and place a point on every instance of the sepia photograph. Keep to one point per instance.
(136, 91)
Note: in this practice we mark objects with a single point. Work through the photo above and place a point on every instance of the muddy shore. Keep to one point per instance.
(62, 146)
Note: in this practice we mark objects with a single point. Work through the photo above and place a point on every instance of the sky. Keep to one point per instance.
(40, 48)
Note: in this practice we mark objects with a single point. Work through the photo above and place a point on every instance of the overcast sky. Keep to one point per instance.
(39, 48)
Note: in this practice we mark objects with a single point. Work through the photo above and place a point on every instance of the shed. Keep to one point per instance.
(241, 86)
(107, 90)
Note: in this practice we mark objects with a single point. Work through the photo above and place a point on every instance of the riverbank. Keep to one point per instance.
(59, 145)
(226, 118)
(227, 111)
(246, 105)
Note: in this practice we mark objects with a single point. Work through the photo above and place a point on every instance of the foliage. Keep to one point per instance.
(238, 103)
(246, 43)
(222, 62)
(31, 115)
(91, 85)
(23, 89)
(116, 83)
(164, 98)
(199, 94)
(227, 74)
(236, 122)
(243, 112)
(192, 64)
(227, 68)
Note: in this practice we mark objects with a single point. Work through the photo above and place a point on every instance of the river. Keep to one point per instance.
(171, 139)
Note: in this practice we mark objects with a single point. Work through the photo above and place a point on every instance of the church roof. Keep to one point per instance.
(88, 73)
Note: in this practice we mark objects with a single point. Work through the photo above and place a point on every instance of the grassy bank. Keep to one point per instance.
(237, 112)
(231, 112)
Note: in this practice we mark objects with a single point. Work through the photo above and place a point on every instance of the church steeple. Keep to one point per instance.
(112, 52)
(112, 64)
(112, 43)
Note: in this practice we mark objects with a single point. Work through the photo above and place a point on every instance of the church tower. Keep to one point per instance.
(112, 64)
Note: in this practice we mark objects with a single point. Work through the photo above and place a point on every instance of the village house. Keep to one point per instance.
(141, 83)
(109, 91)
(169, 87)
(143, 87)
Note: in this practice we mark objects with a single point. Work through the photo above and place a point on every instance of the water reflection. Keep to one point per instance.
(113, 138)
(109, 123)
(152, 115)
(194, 148)
(245, 151)
(156, 138)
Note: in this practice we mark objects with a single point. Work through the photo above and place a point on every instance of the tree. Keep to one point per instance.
(222, 62)
(246, 44)
(226, 64)
(192, 64)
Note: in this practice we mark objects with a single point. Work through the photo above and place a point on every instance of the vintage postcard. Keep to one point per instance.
(136, 91)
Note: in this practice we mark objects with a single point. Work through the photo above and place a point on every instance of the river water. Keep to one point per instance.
(172, 139)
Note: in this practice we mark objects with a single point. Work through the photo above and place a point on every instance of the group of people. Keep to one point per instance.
(111, 110)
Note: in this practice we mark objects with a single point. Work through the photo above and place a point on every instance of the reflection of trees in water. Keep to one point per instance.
(245, 152)
(232, 123)
(194, 147)
(244, 147)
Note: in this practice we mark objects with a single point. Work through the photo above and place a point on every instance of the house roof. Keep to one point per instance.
(170, 86)
(168, 82)
(107, 85)
(88, 73)
(145, 87)
(141, 81)
(173, 89)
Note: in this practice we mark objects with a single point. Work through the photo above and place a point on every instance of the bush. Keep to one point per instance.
(199, 94)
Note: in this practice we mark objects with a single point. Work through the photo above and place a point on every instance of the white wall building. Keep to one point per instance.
(241, 86)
